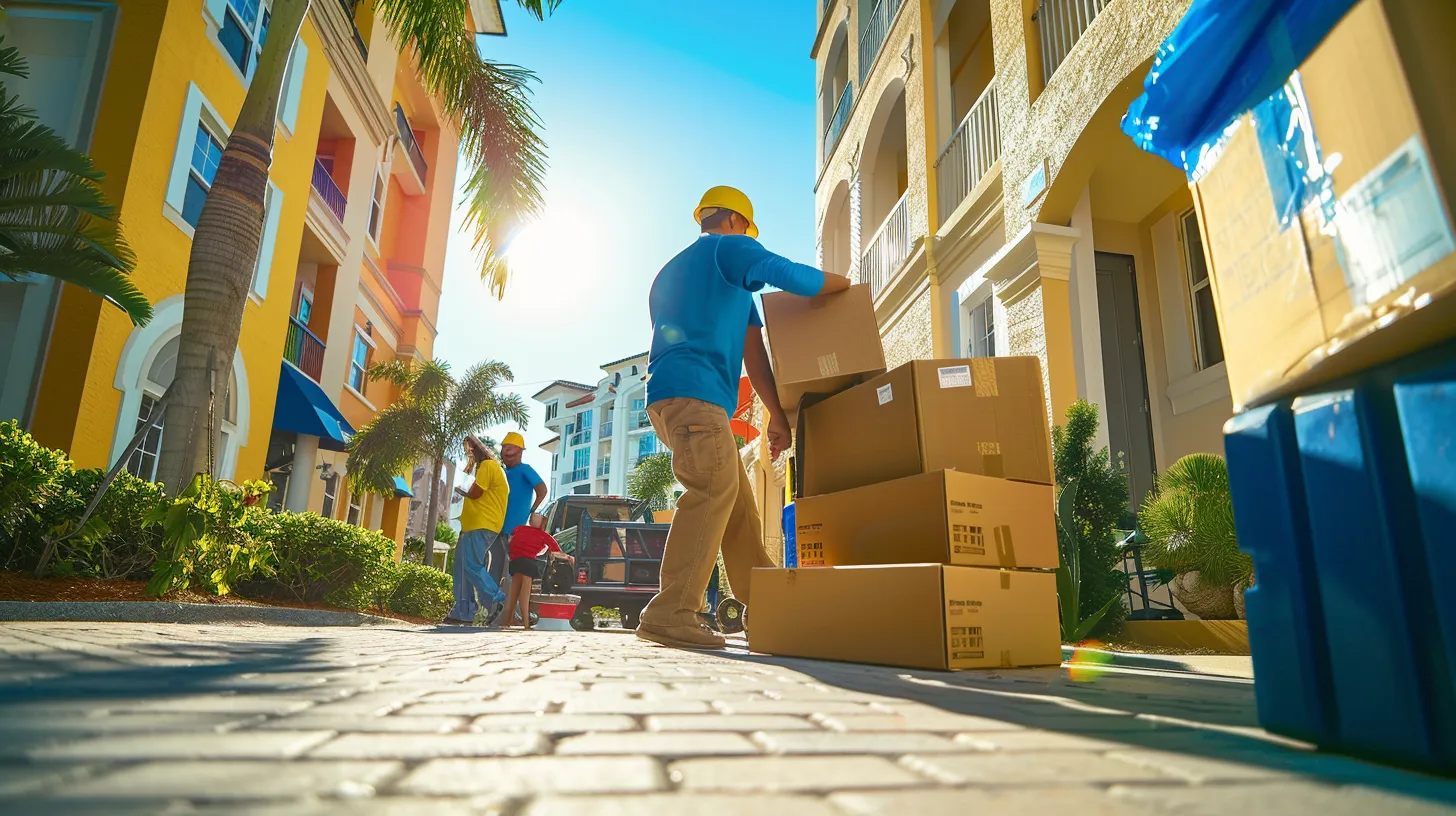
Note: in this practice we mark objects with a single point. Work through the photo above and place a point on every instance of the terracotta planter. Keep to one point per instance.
(1208, 603)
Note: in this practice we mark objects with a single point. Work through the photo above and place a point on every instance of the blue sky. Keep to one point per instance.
(644, 105)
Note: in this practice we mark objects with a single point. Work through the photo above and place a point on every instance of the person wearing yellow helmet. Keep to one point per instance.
(706, 331)
(527, 491)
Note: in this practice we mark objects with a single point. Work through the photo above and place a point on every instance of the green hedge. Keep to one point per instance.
(421, 591)
(215, 537)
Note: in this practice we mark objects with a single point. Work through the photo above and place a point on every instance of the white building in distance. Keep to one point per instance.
(602, 430)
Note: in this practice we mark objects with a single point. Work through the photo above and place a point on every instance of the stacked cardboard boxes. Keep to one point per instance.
(924, 515)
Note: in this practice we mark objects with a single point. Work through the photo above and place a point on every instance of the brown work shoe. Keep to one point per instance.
(681, 637)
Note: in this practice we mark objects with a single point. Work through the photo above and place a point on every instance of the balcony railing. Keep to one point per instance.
(581, 437)
(304, 350)
(358, 38)
(838, 120)
(640, 420)
(324, 185)
(1062, 23)
(578, 475)
(876, 29)
(604, 467)
(888, 249)
(605, 432)
(972, 150)
(407, 138)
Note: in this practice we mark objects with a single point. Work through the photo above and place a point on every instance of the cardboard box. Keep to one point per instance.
(920, 616)
(947, 517)
(984, 415)
(821, 344)
(1354, 263)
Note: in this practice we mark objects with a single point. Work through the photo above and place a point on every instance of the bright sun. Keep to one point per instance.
(559, 248)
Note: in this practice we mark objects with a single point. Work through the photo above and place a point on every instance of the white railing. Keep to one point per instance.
(888, 249)
(876, 29)
(838, 120)
(972, 150)
(1061, 23)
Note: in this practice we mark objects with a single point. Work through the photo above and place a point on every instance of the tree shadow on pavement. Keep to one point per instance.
(1197, 715)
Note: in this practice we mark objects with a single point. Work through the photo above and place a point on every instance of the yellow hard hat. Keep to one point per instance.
(514, 438)
(728, 198)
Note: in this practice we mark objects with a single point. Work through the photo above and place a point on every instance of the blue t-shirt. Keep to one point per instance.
(702, 305)
(522, 480)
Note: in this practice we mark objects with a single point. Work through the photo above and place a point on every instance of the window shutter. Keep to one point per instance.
(274, 204)
(214, 9)
(294, 85)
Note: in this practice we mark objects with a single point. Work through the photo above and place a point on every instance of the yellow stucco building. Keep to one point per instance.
(356, 225)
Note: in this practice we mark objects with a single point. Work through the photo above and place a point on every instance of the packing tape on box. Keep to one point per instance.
(992, 465)
(1005, 547)
(1005, 580)
(983, 374)
(1006, 659)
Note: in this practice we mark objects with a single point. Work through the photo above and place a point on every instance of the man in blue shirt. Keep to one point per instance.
(705, 331)
(528, 490)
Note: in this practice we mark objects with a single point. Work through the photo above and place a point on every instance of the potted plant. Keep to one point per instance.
(1189, 524)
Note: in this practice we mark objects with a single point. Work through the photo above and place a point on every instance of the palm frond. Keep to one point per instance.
(653, 481)
(489, 104)
(388, 446)
(538, 9)
(13, 64)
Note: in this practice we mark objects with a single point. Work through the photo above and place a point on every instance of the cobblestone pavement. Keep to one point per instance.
(140, 718)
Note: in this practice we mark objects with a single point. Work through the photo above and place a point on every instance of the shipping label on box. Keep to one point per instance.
(822, 344)
(985, 415)
(946, 517)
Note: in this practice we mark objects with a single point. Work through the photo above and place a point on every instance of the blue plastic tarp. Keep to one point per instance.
(1224, 58)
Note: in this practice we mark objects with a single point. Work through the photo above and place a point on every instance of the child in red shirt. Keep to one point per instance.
(528, 542)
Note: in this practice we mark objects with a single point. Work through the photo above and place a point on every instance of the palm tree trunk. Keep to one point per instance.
(432, 517)
(224, 254)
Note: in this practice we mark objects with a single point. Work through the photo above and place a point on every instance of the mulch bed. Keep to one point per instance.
(20, 586)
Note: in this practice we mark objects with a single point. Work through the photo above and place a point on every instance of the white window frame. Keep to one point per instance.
(292, 94)
(216, 13)
(305, 296)
(331, 495)
(982, 342)
(360, 337)
(377, 196)
(1195, 320)
(196, 110)
(137, 464)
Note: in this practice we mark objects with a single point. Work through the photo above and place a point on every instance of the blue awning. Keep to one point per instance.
(303, 407)
(402, 488)
(1224, 58)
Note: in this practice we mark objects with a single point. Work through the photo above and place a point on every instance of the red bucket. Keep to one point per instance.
(555, 611)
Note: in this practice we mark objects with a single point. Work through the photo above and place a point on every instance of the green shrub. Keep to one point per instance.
(415, 548)
(325, 560)
(213, 537)
(446, 534)
(1189, 524)
(1100, 503)
(34, 498)
(421, 591)
(121, 539)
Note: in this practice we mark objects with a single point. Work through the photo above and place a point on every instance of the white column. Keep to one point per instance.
(300, 482)
(819, 245)
(1086, 320)
(856, 232)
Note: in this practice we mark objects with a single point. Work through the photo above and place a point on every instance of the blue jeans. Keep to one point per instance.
(473, 584)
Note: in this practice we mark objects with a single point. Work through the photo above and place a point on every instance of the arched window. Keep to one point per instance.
(159, 375)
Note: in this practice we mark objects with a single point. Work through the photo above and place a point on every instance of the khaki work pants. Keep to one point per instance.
(715, 510)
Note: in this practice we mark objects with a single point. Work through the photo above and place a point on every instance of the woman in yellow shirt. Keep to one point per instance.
(480, 524)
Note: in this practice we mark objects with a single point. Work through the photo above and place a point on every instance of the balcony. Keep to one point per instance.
(604, 467)
(333, 198)
(888, 249)
(876, 29)
(605, 432)
(837, 121)
(579, 475)
(1061, 23)
(581, 437)
(358, 38)
(972, 151)
(409, 167)
(304, 350)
